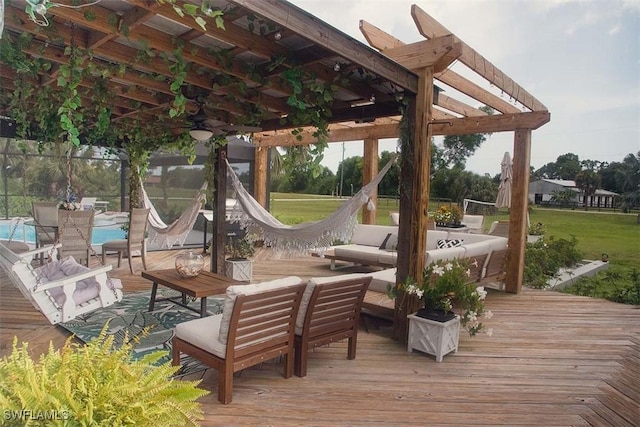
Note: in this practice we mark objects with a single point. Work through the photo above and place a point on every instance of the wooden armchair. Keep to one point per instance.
(61, 289)
(256, 325)
(329, 312)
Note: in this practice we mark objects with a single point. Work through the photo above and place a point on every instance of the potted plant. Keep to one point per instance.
(238, 266)
(448, 215)
(95, 384)
(449, 301)
(536, 232)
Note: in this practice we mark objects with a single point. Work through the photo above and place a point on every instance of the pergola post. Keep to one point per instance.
(260, 175)
(369, 170)
(518, 219)
(415, 208)
(219, 205)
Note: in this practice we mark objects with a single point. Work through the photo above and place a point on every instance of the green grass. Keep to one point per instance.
(615, 234)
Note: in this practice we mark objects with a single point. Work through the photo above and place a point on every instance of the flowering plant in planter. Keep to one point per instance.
(444, 287)
(537, 229)
(447, 214)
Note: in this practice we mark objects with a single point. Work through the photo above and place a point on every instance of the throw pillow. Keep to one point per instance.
(389, 243)
(445, 243)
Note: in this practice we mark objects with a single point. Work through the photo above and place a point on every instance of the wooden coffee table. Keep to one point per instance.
(202, 286)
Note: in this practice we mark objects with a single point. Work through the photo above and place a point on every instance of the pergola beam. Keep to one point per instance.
(312, 29)
(490, 124)
(383, 41)
(430, 28)
(438, 53)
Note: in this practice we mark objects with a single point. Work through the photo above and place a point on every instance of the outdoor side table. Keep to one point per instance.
(204, 285)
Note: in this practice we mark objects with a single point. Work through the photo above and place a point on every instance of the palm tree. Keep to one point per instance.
(588, 182)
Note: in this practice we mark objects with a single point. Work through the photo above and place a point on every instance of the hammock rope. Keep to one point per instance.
(300, 238)
(167, 235)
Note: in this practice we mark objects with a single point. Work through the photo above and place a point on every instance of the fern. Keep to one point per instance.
(97, 384)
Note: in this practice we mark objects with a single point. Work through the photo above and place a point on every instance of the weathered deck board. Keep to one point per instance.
(554, 359)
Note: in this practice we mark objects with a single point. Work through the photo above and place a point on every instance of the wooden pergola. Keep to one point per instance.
(241, 69)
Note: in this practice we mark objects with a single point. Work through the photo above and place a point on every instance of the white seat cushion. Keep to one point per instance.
(234, 291)
(362, 253)
(203, 333)
(380, 279)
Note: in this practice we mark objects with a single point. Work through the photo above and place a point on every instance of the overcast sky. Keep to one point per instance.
(581, 59)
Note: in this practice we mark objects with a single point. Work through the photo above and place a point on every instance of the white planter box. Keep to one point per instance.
(240, 270)
(432, 337)
(533, 239)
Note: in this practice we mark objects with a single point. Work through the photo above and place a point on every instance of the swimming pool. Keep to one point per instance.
(98, 237)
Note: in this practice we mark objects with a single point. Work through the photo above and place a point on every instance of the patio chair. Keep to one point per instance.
(496, 266)
(135, 241)
(474, 223)
(61, 289)
(499, 228)
(476, 267)
(45, 215)
(75, 229)
(88, 203)
(329, 312)
(257, 324)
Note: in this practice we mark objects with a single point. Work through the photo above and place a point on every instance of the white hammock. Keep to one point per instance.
(168, 235)
(300, 238)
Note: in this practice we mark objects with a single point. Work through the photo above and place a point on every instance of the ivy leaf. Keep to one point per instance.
(220, 22)
(191, 9)
(179, 11)
(200, 21)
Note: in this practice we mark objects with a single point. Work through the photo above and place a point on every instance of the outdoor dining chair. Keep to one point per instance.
(135, 241)
(75, 229)
(45, 216)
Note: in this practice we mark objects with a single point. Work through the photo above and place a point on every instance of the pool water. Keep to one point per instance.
(98, 237)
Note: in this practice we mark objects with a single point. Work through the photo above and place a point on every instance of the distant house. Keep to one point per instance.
(541, 193)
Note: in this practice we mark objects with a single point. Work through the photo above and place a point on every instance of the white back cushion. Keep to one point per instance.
(372, 235)
(306, 297)
(85, 289)
(234, 291)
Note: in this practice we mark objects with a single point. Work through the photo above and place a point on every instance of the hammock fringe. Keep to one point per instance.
(301, 238)
(167, 235)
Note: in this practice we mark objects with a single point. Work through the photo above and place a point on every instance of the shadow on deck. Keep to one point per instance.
(554, 359)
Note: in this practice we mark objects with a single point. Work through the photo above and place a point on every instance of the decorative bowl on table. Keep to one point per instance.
(189, 264)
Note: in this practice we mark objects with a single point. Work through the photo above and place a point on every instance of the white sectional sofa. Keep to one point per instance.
(376, 245)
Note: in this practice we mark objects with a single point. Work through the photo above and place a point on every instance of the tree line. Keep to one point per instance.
(451, 180)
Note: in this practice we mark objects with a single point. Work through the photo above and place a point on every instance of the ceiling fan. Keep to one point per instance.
(202, 127)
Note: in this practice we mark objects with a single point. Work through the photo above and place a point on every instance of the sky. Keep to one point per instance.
(581, 59)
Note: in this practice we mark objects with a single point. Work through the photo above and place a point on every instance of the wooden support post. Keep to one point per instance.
(412, 257)
(518, 220)
(260, 175)
(369, 170)
(219, 205)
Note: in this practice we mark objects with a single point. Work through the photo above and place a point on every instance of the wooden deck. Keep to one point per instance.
(553, 360)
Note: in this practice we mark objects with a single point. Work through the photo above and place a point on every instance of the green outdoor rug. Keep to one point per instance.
(130, 316)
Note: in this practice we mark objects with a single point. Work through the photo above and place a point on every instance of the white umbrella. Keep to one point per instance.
(504, 190)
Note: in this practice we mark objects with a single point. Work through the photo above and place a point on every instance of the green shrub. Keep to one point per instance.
(610, 284)
(94, 384)
(545, 257)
